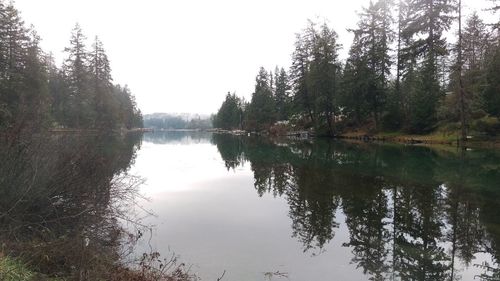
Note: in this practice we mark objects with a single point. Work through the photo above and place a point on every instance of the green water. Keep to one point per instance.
(281, 209)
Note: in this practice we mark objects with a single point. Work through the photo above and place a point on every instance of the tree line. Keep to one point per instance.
(176, 122)
(401, 74)
(35, 94)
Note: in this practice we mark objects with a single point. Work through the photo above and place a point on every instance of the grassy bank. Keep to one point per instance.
(483, 132)
(14, 270)
(150, 269)
(435, 138)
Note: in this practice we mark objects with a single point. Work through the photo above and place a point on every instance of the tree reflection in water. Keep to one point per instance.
(413, 213)
(62, 200)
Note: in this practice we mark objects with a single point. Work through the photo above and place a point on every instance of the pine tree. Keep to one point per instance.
(355, 84)
(492, 89)
(3, 41)
(476, 41)
(13, 48)
(468, 74)
(406, 70)
(428, 20)
(302, 98)
(58, 92)
(463, 118)
(373, 37)
(102, 84)
(230, 114)
(35, 92)
(128, 115)
(491, 92)
(261, 113)
(77, 73)
(324, 78)
(399, 59)
(281, 95)
(315, 76)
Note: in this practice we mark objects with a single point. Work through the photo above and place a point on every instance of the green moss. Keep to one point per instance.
(14, 270)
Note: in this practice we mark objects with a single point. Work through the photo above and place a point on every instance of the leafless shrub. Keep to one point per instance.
(63, 204)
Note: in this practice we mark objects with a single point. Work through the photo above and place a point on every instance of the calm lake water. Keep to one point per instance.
(263, 209)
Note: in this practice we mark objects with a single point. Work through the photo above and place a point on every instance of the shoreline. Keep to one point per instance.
(395, 138)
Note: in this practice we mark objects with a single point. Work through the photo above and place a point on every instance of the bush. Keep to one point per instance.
(449, 128)
(487, 125)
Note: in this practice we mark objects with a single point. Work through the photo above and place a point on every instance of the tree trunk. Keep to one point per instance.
(463, 121)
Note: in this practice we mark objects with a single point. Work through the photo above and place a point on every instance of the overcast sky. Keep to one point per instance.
(184, 56)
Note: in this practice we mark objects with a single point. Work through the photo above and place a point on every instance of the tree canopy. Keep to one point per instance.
(35, 94)
(401, 74)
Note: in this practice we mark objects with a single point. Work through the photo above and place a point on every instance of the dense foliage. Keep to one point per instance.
(230, 114)
(35, 94)
(401, 74)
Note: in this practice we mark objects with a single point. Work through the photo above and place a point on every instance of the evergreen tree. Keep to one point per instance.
(461, 90)
(281, 94)
(302, 98)
(315, 76)
(477, 49)
(406, 69)
(128, 115)
(35, 94)
(14, 40)
(78, 80)
(230, 114)
(324, 78)
(261, 113)
(429, 19)
(476, 42)
(355, 84)
(398, 95)
(491, 92)
(102, 85)
(58, 92)
(492, 89)
(372, 39)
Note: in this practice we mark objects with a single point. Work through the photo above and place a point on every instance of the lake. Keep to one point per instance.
(282, 209)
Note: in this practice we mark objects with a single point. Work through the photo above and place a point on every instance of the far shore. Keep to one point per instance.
(395, 137)
(389, 137)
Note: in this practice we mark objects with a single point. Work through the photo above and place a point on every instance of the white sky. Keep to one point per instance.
(185, 55)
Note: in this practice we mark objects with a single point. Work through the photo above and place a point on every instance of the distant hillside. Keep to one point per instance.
(177, 121)
(184, 116)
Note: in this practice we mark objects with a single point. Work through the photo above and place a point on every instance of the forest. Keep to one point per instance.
(414, 67)
(37, 95)
(166, 121)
